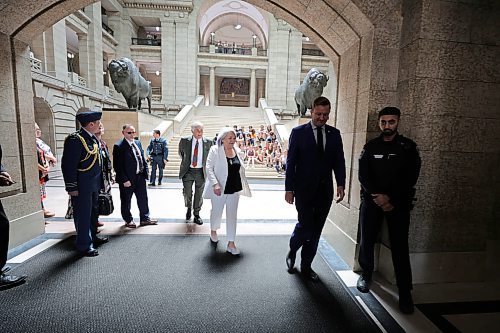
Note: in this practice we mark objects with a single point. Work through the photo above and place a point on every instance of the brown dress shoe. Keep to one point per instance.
(48, 214)
(149, 222)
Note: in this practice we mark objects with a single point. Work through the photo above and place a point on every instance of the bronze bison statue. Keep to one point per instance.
(129, 82)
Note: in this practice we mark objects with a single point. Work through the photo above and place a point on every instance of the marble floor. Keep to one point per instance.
(445, 307)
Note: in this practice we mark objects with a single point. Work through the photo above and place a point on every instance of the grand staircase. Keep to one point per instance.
(213, 119)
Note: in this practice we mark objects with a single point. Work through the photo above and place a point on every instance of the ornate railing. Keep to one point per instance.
(108, 29)
(36, 65)
(77, 79)
(146, 41)
(313, 52)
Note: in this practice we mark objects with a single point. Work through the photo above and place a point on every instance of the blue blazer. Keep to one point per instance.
(124, 161)
(305, 170)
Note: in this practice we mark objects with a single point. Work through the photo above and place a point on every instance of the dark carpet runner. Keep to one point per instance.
(163, 283)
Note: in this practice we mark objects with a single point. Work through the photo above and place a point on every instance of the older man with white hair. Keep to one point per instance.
(193, 151)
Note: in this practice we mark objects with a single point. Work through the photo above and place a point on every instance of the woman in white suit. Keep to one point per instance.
(225, 183)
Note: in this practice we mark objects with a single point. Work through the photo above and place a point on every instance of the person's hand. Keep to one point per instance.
(6, 179)
(387, 207)
(340, 194)
(217, 190)
(289, 197)
(73, 193)
(165, 161)
(127, 183)
(380, 199)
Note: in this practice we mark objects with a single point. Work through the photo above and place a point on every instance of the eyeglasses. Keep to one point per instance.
(130, 132)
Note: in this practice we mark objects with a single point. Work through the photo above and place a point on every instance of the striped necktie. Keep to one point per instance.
(195, 154)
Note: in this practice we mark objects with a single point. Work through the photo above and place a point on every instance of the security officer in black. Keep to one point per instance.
(158, 155)
(82, 172)
(389, 167)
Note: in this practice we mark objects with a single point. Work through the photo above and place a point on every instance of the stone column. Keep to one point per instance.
(448, 90)
(167, 60)
(284, 63)
(252, 88)
(124, 30)
(90, 47)
(212, 86)
(55, 61)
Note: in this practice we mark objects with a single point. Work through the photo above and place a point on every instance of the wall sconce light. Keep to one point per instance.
(157, 73)
(307, 39)
(212, 37)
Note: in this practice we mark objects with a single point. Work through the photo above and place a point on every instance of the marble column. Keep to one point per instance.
(55, 60)
(212, 86)
(252, 88)
(90, 48)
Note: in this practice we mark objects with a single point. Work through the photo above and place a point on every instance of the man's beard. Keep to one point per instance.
(388, 132)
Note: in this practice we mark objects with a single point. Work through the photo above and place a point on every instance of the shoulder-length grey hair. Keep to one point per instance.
(223, 133)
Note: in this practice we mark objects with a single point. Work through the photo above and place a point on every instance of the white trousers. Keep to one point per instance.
(231, 203)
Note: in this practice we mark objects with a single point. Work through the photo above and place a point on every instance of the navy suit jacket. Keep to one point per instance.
(124, 161)
(305, 170)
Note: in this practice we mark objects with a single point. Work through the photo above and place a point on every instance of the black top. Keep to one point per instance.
(233, 182)
(389, 167)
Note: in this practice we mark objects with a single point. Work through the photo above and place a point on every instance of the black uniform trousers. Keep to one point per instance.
(312, 212)
(4, 236)
(193, 175)
(86, 213)
(398, 224)
(138, 188)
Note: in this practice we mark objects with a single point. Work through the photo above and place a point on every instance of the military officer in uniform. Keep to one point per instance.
(82, 172)
(158, 155)
(389, 167)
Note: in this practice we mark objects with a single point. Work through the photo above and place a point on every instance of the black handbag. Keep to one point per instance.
(106, 206)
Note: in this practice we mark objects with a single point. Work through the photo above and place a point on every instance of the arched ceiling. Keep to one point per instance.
(344, 24)
(230, 13)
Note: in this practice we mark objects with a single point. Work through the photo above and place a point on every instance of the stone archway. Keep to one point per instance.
(415, 54)
(44, 117)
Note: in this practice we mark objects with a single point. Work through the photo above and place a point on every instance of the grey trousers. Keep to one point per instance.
(193, 176)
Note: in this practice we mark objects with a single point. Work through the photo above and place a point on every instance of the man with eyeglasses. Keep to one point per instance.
(389, 167)
(131, 175)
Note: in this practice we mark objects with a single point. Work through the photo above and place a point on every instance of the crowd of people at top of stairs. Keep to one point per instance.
(261, 147)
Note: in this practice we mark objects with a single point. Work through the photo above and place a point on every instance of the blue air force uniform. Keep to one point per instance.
(158, 152)
(82, 172)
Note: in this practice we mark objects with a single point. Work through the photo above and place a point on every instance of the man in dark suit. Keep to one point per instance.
(81, 166)
(6, 281)
(193, 151)
(131, 175)
(315, 149)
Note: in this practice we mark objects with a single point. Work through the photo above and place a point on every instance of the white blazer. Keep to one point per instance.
(216, 170)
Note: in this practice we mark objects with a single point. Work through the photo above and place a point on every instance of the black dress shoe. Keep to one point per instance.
(198, 220)
(308, 273)
(290, 261)
(90, 253)
(364, 283)
(5, 269)
(8, 281)
(151, 184)
(159, 183)
(188, 214)
(406, 303)
(100, 240)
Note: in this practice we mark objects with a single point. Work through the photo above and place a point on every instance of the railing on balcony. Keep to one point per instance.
(313, 52)
(108, 29)
(232, 50)
(36, 65)
(77, 79)
(146, 41)
(156, 94)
